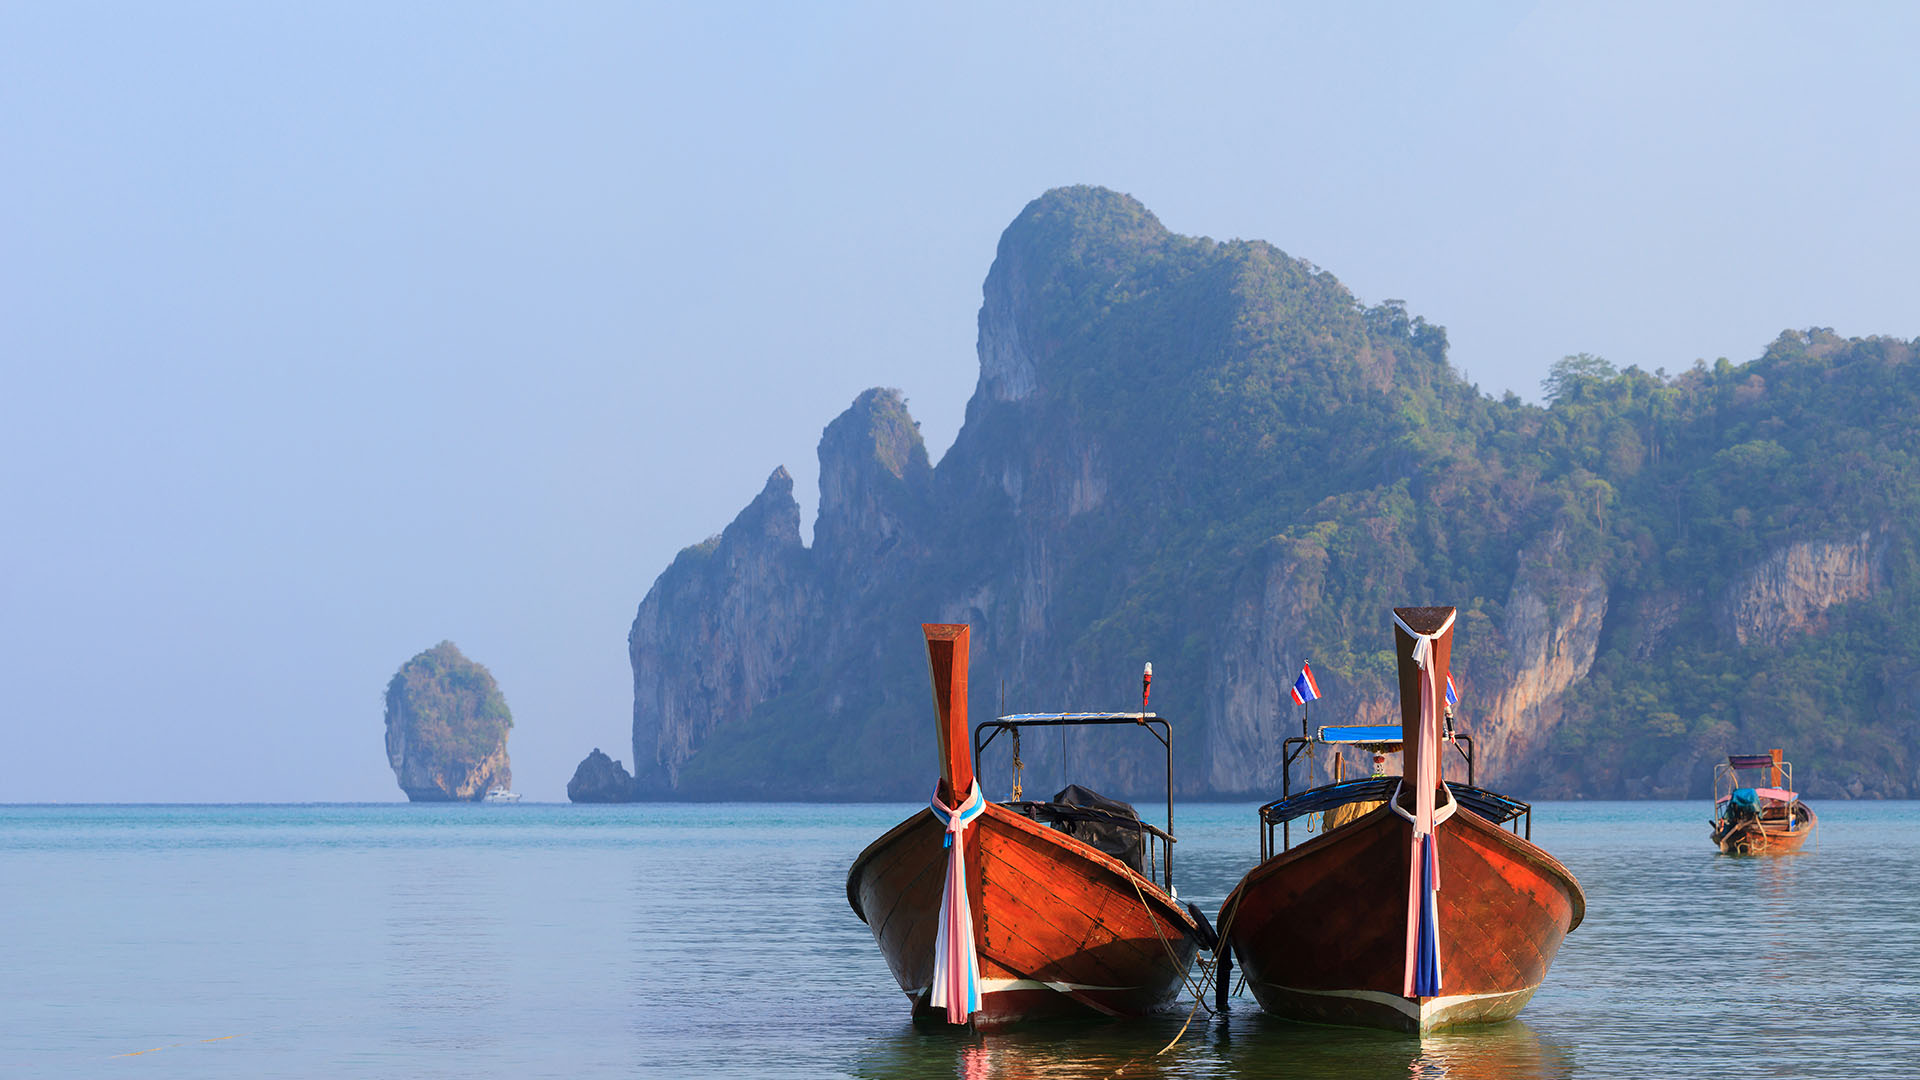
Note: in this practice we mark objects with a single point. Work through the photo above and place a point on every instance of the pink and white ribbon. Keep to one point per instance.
(956, 963)
(1423, 864)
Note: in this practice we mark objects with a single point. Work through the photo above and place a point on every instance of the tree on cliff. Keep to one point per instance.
(447, 726)
(1570, 374)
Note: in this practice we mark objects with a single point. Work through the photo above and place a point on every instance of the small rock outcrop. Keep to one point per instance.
(447, 726)
(600, 779)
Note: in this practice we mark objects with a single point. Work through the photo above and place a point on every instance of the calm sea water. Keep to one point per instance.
(673, 940)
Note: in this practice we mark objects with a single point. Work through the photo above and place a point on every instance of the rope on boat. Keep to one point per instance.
(1207, 968)
(1226, 924)
(1166, 945)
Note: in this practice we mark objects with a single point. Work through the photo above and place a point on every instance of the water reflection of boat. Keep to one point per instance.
(1758, 820)
(1055, 908)
(1242, 1044)
(1411, 915)
(1510, 1051)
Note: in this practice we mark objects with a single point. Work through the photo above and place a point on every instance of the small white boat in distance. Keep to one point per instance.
(501, 795)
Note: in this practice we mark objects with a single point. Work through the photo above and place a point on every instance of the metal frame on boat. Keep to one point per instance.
(1057, 814)
(1382, 738)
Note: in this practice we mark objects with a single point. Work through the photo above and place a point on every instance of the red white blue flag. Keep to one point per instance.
(1452, 698)
(1304, 688)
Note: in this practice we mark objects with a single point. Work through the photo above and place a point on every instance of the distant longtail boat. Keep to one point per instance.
(1759, 820)
(993, 912)
(1418, 911)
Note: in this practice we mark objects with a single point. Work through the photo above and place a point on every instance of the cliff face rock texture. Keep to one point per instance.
(718, 631)
(1212, 456)
(447, 727)
(600, 779)
(1789, 590)
(1550, 636)
(875, 487)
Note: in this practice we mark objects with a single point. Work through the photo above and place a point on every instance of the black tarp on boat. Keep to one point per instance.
(1107, 824)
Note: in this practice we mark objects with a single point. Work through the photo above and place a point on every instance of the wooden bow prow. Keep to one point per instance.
(947, 662)
(1422, 620)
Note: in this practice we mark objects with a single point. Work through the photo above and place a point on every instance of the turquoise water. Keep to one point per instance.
(715, 940)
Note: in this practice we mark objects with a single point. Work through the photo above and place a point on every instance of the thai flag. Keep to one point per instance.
(1452, 698)
(1304, 688)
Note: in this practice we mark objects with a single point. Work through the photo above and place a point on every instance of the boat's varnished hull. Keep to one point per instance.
(1320, 930)
(1059, 926)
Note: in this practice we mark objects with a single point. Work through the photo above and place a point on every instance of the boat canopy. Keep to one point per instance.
(1369, 734)
(1496, 808)
(1077, 716)
(1750, 761)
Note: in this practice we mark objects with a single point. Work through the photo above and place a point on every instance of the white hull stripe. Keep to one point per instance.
(1424, 1011)
(994, 986)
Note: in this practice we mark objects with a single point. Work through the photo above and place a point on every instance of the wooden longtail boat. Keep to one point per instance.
(1757, 820)
(1415, 914)
(1057, 926)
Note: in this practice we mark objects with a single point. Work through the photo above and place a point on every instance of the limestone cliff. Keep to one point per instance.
(1789, 590)
(1774, 607)
(447, 727)
(1266, 636)
(875, 484)
(1548, 640)
(717, 632)
(1212, 456)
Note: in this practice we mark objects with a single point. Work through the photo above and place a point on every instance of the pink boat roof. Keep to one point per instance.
(1774, 793)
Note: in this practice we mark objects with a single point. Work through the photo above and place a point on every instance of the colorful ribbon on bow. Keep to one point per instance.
(1423, 864)
(956, 964)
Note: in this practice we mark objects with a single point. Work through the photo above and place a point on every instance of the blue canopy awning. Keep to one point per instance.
(1370, 734)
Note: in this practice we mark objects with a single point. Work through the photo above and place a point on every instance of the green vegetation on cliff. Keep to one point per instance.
(1811, 448)
(1212, 455)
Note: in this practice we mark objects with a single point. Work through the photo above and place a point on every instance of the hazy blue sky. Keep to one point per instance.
(329, 331)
